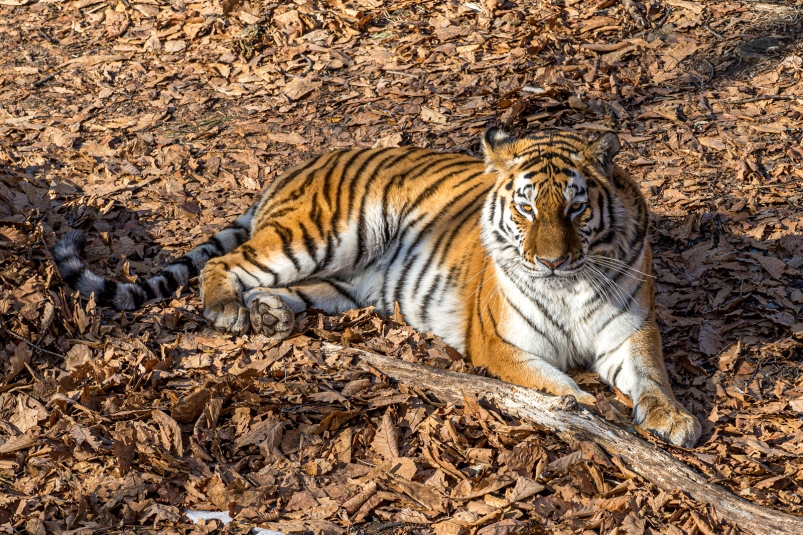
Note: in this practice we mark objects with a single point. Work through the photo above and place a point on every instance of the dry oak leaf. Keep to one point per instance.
(269, 429)
(19, 443)
(494, 482)
(353, 504)
(291, 139)
(152, 43)
(313, 526)
(712, 143)
(170, 432)
(448, 528)
(386, 441)
(18, 360)
(161, 512)
(525, 487)
(355, 387)
(29, 413)
(728, 358)
(81, 435)
(429, 115)
(633, 525)
(298, 88)
(710, 339)
(503, 527)
(301, 500)
(403, 467)
(116, 23)
(411, 516)
(419, 492)
(774, 266)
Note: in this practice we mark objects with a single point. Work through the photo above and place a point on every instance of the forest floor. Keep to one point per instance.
(151, 124)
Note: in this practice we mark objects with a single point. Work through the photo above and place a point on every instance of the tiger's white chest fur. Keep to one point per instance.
(571, 324)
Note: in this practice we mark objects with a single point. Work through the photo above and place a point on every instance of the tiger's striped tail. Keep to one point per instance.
(127, 296)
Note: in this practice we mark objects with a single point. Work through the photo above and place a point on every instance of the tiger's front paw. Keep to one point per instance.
(271, 317)
(228, 317)
(668, 420)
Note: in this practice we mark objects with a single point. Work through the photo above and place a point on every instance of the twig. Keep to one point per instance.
(309, 64)
(712, 32)
(390, 525)
(17, 224)
(635, 13)
(400, 73)
(34, 346)
(764, 97)
(46, 79)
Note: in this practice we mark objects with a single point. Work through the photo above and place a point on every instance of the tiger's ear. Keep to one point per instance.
(602, 151)
(496, 146)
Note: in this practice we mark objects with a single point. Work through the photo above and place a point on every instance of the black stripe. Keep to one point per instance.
(409, 260)
(220, 248)
(624, 307)
(139, 296)
(426, 230)
(241, 235)
(362, 230)
(286, 236)
(284, 180)
(545, 158)
(149, 293)
(170, 279)
(532, 325)
(343, 291)
(469, 214)
(340, 195)
(430, 293)
(250, 256)
(72, 277)
(434, 186)
(308, 303)
(187, 262)
(495, 324)
(105, 297)
(309, 244)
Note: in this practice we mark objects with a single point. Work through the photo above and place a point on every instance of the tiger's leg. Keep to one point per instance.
(267, 260)
(272, 310)
(637, 369)
(514, 365)
(536, 372)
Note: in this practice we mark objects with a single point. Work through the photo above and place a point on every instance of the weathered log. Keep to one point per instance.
(571, 422)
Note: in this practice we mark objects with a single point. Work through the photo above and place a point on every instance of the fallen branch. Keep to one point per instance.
(566, 418)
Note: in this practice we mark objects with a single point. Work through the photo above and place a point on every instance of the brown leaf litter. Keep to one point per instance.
(151, 124)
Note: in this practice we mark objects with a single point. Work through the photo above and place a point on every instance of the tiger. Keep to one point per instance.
(531, 262)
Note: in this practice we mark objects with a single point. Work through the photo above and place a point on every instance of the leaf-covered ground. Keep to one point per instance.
(150, 124)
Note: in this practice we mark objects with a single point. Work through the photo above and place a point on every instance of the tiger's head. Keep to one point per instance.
(553, 202)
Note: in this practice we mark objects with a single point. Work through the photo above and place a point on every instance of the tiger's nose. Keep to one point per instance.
(553, 264)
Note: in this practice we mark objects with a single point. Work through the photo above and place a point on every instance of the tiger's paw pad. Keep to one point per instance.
(271, 317)
(669, 421)
(228, 317)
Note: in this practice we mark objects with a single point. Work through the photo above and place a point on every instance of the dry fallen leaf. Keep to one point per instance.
(386, 441)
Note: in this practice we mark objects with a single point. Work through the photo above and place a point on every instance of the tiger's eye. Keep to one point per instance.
(578, 206)
(526, 207)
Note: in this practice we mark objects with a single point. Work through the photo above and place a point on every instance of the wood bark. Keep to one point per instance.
(571, 422)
